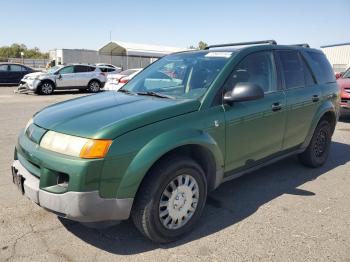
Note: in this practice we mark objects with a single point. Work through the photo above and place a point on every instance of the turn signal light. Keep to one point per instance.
(95, 148)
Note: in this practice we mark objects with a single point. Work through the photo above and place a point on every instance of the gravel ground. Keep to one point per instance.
(283, 212)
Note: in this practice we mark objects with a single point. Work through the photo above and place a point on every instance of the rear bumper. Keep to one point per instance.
(78, 206)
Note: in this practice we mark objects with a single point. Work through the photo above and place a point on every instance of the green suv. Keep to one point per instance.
(187, 123)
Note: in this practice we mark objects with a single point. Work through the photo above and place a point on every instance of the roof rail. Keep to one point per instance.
(271, 42)
(303, 45)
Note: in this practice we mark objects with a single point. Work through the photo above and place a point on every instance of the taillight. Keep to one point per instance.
(103, 74)
(123, 81)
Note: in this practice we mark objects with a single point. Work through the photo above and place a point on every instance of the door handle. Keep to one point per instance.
(276, 107)
(315, 98)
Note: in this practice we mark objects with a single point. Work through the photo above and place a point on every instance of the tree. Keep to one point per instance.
(14, 51)
(202, 45)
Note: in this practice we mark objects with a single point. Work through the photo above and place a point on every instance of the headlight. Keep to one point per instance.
(28, 124)
(75, 146)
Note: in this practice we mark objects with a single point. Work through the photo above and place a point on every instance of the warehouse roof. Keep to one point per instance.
(335, 45)
(132, 49)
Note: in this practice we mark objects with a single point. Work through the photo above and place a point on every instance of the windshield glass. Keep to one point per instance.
(53, 69)
(182, 75)
(346, 73)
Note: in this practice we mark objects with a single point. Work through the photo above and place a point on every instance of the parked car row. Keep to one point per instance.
(87, 77)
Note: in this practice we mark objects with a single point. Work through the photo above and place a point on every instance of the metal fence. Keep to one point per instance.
(34, 63)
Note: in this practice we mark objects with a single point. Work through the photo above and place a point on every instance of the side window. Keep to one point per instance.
(323, 69)
(67, 70)
(91, 69)
(309, 79)
(258, 68)
(80, 69)
(3, 68)
(292, 69)
(15, 68)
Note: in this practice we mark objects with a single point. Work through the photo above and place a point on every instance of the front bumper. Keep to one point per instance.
(29, 84)
(78, 206)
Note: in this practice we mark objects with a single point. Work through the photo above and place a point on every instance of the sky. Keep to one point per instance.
(87, 23)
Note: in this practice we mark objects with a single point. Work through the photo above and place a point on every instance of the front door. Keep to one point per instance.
(254, 129)
(65, 77)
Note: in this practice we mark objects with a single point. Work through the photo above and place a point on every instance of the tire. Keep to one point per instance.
(45, 88)
(317, 151)
(154, 213)
(94, 86)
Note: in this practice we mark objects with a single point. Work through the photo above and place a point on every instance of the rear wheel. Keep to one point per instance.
(94, 86)
(317, 152)
(170, 200)
(46, 88)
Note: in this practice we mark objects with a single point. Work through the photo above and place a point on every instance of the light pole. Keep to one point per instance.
(22, 56)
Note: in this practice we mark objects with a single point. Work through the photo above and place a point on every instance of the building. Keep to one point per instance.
(338, 55)
(125, 55)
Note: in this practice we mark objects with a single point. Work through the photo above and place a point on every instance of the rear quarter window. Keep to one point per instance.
(321, 67)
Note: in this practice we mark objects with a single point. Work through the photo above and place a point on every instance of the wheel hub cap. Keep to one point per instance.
(178, 202)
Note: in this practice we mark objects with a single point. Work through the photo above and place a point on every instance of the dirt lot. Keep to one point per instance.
(284, 212)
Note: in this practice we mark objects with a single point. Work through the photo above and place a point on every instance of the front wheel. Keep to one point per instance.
(170, 200)
(94, 86)
(317, 151)
(46, 88)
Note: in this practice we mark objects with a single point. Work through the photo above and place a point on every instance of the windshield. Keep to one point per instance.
(53, 69)
(182, 75)
(346, 74)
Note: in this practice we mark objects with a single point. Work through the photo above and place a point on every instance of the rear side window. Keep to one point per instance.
(292, 69)
(309, 79)
(323, 69)
(80, 69)
(90, 68)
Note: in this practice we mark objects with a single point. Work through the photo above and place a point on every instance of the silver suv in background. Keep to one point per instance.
(84, 77)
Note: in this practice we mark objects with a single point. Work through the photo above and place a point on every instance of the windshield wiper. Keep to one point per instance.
(125, 91)
(150, 93)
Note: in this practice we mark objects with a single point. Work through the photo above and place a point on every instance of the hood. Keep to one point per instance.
(343, 82)
(35, 74)
(110, 114)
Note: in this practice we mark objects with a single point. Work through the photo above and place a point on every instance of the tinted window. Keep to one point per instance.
(80, 69)
(323, 69)
(256, 68)
(292, 69)
(16, 68)
(67, 70)
(309, 79)
(91, 69)
(3, 67)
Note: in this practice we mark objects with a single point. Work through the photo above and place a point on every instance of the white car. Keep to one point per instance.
(85, 77)
(116, 81)
(117, 69)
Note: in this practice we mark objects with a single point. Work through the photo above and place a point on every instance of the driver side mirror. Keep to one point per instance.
(244, 92)
(59, 76)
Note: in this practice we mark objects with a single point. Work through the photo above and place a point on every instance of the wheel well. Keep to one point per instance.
(94, 79)
(331, 118)
(201, 155)
(48, 80)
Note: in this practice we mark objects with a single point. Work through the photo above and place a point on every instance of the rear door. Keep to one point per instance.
(303, 96)
(16, 73)
(83, 75)
(65, 77)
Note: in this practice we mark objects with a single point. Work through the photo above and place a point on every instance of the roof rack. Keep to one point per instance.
(303, 45)
(271, 42)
